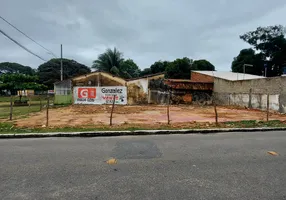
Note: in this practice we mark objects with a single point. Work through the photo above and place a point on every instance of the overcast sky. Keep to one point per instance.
(145, 31)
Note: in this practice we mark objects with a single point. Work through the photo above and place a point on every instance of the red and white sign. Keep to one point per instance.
(86, 93)
(51, 92)
(100, 95)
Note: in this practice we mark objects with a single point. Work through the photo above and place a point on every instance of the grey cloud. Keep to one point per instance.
(145, 31)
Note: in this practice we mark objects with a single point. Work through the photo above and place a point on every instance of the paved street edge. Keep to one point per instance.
(134, 133)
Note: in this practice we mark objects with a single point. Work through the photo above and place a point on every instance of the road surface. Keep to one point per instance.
(217, 166)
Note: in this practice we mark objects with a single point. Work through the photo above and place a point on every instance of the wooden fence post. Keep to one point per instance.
(112, 110)
(168, 107)
(216, 115)
(11, 107)
(47, 114)
(29, 100)
(267, 114)
(40, 103)
(250, 98)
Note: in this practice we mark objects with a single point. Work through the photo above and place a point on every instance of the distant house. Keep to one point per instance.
(25, 93)
(64, 89)
(137, 88)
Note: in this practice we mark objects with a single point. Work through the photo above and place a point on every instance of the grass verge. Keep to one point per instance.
(23, 111)
(6, 99)
(7, 127)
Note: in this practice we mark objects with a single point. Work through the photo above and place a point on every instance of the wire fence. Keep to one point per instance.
(14, 107)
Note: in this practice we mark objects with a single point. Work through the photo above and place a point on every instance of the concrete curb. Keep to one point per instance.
(139, 132)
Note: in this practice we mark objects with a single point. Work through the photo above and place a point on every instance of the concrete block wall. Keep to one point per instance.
(273, 85)
(158, 97)
(258, 101)
(252, 93)
(239, 99)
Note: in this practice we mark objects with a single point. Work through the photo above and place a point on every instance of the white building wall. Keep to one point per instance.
(140, 83)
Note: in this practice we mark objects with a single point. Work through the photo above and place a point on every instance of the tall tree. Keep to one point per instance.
(271, 43)
(203, 65)
(49, 72)
(248, 56)
(146, 71)
(8, 67)
(14, 82)
(179, 69)
(109, 61)
(112, 61)
(159, 66)
(129, 69)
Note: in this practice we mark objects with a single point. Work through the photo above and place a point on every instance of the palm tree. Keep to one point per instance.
(109, 61)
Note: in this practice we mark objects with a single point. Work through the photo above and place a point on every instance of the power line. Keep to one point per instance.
(27, 36)
(23, 47)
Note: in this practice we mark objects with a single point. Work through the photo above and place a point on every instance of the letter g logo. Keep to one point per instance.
(83, 93)
(89, 93)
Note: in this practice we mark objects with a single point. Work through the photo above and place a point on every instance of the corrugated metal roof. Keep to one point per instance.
(231, 76)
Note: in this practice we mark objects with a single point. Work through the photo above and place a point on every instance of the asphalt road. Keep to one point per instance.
(218, 166)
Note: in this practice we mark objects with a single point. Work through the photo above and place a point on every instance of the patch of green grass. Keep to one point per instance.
(254, 123)
(3, 104)
(5, 125)
(32, 98)
(18, 111)
(22, 111)
(6, 128)
(9, 128)
(4, 99)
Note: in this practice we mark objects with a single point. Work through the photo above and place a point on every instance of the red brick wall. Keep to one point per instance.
(198, 77)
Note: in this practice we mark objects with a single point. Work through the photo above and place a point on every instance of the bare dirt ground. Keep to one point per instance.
(91, 115)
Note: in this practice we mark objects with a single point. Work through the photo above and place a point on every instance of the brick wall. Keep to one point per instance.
(198, 77)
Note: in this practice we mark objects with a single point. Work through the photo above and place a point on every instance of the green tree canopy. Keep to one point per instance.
(156, 67)
(129, 69)
(112, 61)
(248, 56)
(159, 66)
(108, 60)
(50, 72)
(203, 65)
(270, 42)
(179, 69)
(8, 67)
(14, 82)
(145, 72)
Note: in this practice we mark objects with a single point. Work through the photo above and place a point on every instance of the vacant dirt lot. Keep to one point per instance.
(90, 115)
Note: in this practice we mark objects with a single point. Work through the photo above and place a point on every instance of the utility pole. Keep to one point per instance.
(61, 62)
